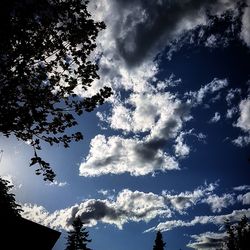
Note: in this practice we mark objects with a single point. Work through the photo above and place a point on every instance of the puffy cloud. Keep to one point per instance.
(215, 85)
(126, 206)
(181, 148)
(235, 216)
(245, 199)
(208, 241)
(242, 188)
(217, 203)
(231, 95)
(243, 123)
(244, 119)
(160, 115)
(245, 30)
(184, 200)
(117, 155)
(215, 118)
(58, 183)
(231, 112)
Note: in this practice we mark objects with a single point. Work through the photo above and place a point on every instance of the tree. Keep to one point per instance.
(77, 238)
(44, 56)
(238, 236)
(9, 209)
(159, 243)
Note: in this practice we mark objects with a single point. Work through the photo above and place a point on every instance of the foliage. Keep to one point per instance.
(159, 243)
(238, 236)
(8, 206)
(77, 238)
(44, 55)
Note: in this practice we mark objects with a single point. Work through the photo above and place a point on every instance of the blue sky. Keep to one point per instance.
(170, 149)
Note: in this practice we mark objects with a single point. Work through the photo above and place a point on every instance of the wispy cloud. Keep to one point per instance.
(236, 215)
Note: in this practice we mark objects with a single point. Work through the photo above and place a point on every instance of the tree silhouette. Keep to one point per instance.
(159, 243)
(9, 209)
(44, 56)
(238, 236)
(77, 238)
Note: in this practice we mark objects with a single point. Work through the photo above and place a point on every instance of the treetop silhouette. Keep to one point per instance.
(159, 243)
(44, 55)
(77, 238)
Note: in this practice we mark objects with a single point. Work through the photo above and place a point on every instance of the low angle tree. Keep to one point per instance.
(238, 236)
(9, 209)
(44, 56)
(77, 238)
(159, 243)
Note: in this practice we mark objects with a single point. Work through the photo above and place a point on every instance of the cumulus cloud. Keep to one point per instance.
(243, 123)
(244, 119)
(126, 206)
(58, 183)
(245, 199)
(117, 155)
(215, 118)
(242, 188)
(207, 241)
(235, 216)
(217, 203)
(245, 30)
(182, 201)
(197, 97)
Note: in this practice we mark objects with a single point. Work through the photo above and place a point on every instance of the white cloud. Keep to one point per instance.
(245, 30)
(235, 216)
(231, 112)
(207, 241)
(185, 200)
(245, 199)
(181, 148)
(58, 183)
(217, 203)
(215, 118)
(126, 206)
(244, 119)
(215, 85)
(117, 155)
(231, 95)
(242, 188)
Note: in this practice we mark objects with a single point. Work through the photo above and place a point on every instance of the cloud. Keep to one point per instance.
(245, 30)
(58, 183)
(141, 29)
(159, 115)
(242, 188)
(184, 200)
(208, 241)
(215, 118)
(244, 119)
(235, 216)
(215, 85)
(126, 206)
(117, 155)
(243, 123)
(217, 203)
(245, 199)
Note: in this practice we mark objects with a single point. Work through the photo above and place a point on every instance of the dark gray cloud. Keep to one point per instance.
(146, 25)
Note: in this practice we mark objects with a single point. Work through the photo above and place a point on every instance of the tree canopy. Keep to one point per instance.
(238, 236)
(77, 238)
(44, 55)
(159, 243)
(9, 209)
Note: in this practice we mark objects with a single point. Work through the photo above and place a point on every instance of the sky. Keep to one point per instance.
(170, 149)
